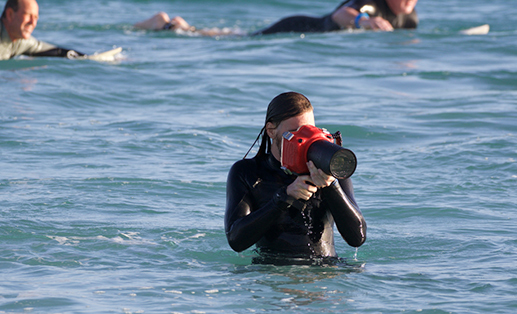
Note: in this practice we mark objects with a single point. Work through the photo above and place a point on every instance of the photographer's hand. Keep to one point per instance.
(319, 178)
(302, 188)
(306, 185)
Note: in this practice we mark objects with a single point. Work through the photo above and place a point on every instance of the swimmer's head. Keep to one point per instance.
(20, 18)
(402, 6)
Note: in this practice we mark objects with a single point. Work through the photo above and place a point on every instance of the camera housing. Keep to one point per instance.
(312, 143)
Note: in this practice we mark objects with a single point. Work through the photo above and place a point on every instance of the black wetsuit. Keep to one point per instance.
(259, 211)
(308, 24)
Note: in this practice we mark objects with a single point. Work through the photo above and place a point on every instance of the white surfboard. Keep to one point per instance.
(479, 30)
(105, 56)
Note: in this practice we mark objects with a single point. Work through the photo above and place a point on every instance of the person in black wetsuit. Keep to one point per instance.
(382, 15)
(286, 216)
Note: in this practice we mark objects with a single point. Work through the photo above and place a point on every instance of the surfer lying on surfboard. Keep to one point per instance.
(383, 15)
(19, 19)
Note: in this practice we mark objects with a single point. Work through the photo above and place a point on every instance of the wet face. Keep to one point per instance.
(402, 6)
(21, 24)
(288, 125)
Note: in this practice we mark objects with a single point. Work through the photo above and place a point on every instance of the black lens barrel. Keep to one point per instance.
(332, 159)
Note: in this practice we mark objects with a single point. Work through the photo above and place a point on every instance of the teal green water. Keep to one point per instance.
(112, 175)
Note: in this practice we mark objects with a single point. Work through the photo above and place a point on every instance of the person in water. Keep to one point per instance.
(162, 21)
(383, 15)
(18, 21)
(288, 216)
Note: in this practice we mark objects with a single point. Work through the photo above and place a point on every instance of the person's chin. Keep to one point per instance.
(26, 34)
(409, 9)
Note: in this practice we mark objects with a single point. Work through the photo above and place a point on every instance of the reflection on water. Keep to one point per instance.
(301, 285)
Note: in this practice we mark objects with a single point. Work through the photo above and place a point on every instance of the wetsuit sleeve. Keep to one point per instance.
(37, 48)
(244, 224)
(30, 46)
(348, 217)
(301, 24)
(59, 52)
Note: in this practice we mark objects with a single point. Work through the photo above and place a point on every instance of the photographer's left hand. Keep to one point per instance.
(319, 178)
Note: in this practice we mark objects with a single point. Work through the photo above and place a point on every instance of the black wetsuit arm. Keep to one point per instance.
(300, 24)
(244, 224)
(347, 215)
(58, 52)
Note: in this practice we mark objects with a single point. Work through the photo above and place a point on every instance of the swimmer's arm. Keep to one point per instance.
(214, 32)
(347, 215)
(58, 52)
(243, 225)
(345, 18)
(38, 48)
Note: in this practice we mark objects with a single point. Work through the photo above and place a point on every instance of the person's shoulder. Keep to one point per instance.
(355, 3)
(367, 6)
(244, 165)
(244, 171)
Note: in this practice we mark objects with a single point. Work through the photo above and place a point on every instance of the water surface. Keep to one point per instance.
(112, 175)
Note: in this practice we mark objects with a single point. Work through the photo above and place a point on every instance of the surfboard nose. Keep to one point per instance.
(479, 30)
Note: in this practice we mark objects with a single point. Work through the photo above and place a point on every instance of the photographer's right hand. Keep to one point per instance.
(301, 188)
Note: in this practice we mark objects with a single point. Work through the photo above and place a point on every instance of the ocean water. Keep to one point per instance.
(112, 174)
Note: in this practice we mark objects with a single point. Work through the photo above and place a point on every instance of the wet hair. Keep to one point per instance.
(282, 107)
(13, 4)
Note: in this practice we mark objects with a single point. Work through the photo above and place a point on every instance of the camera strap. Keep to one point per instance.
(256, 140)
(339, 139)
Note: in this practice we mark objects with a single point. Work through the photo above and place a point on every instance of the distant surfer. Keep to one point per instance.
(383, 15)
(288, 216)
(18, 21)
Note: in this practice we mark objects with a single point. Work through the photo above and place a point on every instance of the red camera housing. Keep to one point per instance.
(296, 144)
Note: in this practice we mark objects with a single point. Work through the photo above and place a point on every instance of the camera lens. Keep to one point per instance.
(332, 159)
(343, 164)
